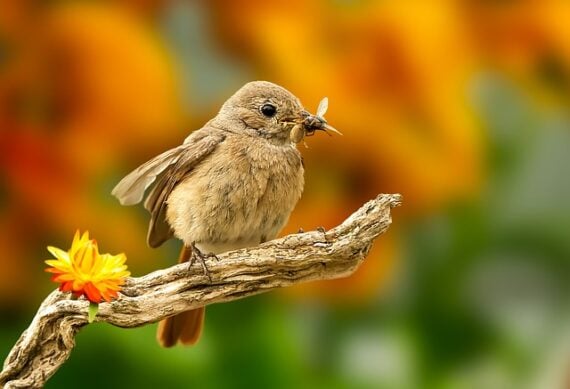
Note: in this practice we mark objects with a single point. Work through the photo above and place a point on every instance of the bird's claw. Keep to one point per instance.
(201, 257)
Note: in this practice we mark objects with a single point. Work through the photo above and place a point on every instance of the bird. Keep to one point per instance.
(232, 184)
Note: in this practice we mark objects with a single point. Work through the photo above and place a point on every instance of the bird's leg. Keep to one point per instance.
(198, 255)
(301, 230)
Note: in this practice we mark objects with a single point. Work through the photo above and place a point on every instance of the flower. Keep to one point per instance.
(85, 272)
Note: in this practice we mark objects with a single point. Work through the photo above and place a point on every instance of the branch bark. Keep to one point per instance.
(296, 258)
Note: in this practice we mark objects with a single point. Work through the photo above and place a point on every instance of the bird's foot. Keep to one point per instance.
(201, 257)
(301, 230)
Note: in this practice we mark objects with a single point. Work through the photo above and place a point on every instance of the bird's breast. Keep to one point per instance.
(241, 194)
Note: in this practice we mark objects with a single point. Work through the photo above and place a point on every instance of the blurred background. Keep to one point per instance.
(462, 106)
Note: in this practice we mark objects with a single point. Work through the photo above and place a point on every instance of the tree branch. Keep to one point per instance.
(296, 258)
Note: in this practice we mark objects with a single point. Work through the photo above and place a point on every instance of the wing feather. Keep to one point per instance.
(130, 190)
(194, 152)
(165, 172)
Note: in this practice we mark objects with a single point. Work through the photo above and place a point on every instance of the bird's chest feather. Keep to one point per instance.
(244, 191)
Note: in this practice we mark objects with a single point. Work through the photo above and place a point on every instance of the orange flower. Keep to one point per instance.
(84, 271)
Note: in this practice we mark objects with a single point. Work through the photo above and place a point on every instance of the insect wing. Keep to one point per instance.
(323, 106)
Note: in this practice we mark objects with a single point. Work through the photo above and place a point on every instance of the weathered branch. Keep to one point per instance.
(296, 258)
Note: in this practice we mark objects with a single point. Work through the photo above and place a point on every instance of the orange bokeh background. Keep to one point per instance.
(90, 90)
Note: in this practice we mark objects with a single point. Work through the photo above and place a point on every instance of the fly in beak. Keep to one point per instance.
(313, 123)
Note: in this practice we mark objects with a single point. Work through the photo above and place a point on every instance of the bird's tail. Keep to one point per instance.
(185, 327)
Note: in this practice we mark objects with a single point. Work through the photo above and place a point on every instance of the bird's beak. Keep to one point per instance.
(313, 123)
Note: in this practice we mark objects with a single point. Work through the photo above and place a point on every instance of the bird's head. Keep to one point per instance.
(264, 109)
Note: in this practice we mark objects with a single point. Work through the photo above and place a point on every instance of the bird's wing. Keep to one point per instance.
(130, 190)
(195, 150)
(167, 170)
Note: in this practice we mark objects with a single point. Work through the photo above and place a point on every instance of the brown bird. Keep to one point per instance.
(231, 184)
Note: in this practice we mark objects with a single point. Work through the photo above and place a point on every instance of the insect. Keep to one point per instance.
(313, 123)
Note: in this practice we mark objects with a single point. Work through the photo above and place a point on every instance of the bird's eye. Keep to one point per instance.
(268, 110)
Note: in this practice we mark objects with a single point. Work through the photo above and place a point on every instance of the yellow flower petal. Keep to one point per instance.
(84, 271)
(58, 253)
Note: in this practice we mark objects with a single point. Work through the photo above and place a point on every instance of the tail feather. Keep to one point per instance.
(192, 330)
(186, 328)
